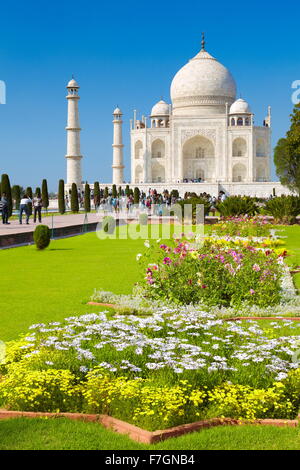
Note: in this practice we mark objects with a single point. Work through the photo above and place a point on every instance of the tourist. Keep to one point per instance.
(24, 208)
(37, 208)
(4, 209)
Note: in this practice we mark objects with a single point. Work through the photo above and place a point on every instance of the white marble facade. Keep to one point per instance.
(206, 135)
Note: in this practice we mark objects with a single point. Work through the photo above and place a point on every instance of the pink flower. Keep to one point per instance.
(252, 291)
(167, 260)
(256, 267)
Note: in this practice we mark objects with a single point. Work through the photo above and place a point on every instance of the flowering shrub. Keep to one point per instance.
(242, 226)
(186, 273)
(39, 390)
(172, 367)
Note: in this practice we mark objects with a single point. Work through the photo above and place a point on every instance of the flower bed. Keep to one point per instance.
(156, 372)
(243, 226)
(213, 273)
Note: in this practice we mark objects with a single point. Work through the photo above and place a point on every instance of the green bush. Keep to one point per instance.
(284, 209)
(41, 236)
(143, 219)
(237, 205)
(5, 188)
(114, 191)
(61, 197)
(108, 224)
(45, 195)
(136, 196)
(74, 198)
(87, 198)
(96, 194)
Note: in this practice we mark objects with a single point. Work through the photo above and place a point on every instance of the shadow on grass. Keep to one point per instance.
(61, 249)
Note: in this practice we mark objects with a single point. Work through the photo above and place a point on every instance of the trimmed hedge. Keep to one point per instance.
(41, 236)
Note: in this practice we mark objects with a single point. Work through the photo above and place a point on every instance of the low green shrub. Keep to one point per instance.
(42, 236)
(237, 205)
(284, 209)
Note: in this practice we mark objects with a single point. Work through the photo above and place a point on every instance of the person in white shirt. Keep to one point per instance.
(24, 208)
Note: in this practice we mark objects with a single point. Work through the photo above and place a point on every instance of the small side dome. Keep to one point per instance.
(117, 111)
(160, 109)
(72, 84)
(240, 106)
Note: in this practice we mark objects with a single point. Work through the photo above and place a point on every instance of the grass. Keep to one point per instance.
(292, 233)
(62, 434)
(50, 285)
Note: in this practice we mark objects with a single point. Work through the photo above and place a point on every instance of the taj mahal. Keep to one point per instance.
(206, 140)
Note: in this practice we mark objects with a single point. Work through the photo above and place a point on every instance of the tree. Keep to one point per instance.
(45, 195)
(74, 198)
(87, 198)
(127, 190)
(38, 192)
(61, 197)
(30, 195)
(287, 154)
(114, 191)
(16, 195)
(136, 196)
(5, 188)
(120, 191)
(105, 195)
(96, 194)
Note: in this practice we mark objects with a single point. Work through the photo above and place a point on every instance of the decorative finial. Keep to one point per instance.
(203, 42)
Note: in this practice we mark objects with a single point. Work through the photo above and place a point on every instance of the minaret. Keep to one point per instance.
(117, 165)
(73, 136)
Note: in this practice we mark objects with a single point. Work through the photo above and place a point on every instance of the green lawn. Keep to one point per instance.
(50, 285)
(39, 286)
(293, 245)
(61, 434)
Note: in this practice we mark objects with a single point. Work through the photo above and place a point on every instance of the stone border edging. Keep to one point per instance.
(142, 435)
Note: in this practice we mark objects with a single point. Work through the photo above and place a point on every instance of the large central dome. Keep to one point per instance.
(202, 82)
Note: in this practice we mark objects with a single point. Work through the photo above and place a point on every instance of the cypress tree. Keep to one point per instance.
(74, 198)
(5, 188)
(38, 192)
(114, 190)
(45, 195)
(87, 198)
(127, 190)
(136, 196)
(120, 191)
(105, 195)
(61, 197)
(96, 194)
(16, 195)
(30, 195)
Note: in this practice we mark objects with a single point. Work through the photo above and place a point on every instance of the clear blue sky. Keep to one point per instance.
(126, 53)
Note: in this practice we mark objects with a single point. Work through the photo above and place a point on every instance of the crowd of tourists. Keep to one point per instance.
(152, 201)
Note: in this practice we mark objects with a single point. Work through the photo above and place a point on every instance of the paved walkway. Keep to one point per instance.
(58, 222)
